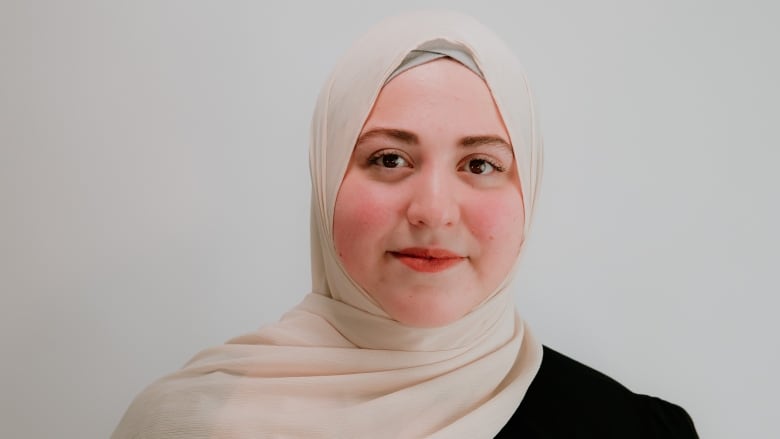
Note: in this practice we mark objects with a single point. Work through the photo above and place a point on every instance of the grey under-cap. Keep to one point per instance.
(432, 51)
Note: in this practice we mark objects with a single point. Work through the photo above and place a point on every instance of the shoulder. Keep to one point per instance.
(569, 399)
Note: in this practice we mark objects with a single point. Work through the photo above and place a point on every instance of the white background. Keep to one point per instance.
(154, 193)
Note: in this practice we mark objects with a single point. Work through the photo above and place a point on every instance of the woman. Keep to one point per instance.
(425, 163)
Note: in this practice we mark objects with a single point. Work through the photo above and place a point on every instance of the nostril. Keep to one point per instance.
(432, 214)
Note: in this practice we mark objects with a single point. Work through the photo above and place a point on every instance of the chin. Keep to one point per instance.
(426, 313)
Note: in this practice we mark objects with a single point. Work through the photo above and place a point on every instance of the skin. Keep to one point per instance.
(433, 168)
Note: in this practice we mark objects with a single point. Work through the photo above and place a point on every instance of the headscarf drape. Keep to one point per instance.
(337, 365)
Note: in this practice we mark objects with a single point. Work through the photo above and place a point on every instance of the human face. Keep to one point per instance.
(429, 216)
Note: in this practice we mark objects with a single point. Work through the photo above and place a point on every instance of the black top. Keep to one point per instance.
(570, 400)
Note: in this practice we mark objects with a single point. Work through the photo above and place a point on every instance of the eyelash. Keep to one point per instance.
(491, 162)
(375, 160)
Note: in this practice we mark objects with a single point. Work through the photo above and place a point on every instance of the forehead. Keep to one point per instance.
(442, 98)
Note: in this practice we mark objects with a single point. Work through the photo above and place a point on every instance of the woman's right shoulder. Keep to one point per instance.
(184, 403)
(569, 399)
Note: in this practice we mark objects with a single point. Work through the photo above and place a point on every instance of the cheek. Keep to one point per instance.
(496, 220)
(363, 215)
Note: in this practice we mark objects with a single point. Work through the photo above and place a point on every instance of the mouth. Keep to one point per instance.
(427, 260)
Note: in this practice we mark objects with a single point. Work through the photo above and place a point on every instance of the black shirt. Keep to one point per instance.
(570, 400)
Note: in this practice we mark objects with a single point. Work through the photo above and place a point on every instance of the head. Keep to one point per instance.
(429, 216)
(423, 183)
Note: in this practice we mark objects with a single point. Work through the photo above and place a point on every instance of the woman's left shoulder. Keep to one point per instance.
(570, 399)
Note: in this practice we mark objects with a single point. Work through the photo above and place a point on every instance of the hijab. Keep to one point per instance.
(337, 365)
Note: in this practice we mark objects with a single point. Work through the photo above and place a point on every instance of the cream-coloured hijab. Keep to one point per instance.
(336, 365)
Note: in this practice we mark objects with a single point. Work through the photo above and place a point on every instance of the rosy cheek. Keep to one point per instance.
(363, 216)
(495, 216)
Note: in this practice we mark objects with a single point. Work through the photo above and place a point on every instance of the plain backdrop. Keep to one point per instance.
(154, 192)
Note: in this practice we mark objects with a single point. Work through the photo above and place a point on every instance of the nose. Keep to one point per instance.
(433, 201)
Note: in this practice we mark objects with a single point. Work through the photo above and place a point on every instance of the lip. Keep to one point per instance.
(427, 260)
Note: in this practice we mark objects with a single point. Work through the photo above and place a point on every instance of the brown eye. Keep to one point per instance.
(480, 166)
(389, 160)
(392, 161)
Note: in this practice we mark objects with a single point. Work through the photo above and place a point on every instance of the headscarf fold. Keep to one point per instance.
(337, 365)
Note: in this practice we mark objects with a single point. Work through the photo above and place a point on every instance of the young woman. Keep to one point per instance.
(425, 160)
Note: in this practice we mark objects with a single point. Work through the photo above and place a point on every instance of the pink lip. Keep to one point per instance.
(427, 260)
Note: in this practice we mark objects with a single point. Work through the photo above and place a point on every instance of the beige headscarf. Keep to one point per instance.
(336, 365)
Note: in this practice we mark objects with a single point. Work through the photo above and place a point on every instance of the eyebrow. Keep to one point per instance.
(412, 139)
(474, 141)
(403, 136)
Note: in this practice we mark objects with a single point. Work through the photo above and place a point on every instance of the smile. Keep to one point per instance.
(427, 260)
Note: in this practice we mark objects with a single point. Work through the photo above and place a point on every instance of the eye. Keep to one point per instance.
(481, 166)
(388, 160)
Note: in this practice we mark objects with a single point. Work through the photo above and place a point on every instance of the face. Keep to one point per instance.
(429, 216)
